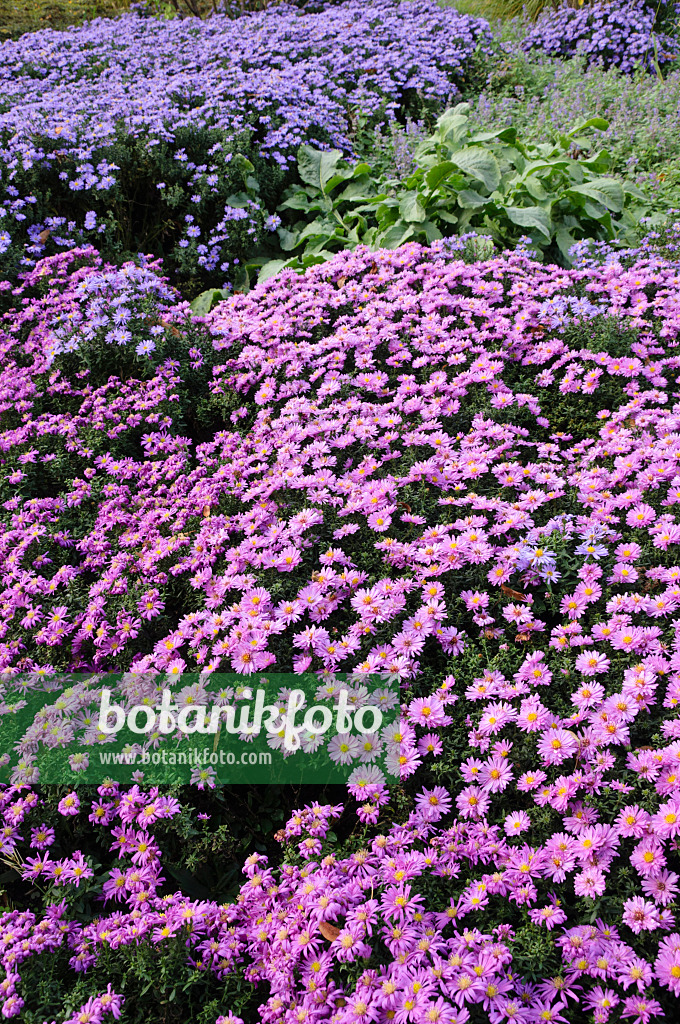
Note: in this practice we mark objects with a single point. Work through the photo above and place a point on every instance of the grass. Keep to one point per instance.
(19, 16)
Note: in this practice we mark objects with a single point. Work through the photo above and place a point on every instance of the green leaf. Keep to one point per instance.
(606, 191)
(504, 134)
(535, 188)
(204, 302)
(598, 162)
(356, 190)
(432, 232)
(479, 164)
(530, 217)
(244, 165)
(270, 269)
(564, 241)
(452, 123)
(337, 179)
(241, 280)
(317, 229)
(468, 199)
(238, 200)
(592, 122)
(594, 210)
(316, 167)
(396, 235)
(437, 173)
(411, 209)
(289, 239)
(312, 259)
(300, 201)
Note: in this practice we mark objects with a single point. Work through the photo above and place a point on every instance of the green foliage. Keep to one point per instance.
(204, 302)
(541, 97)
(490, 182)
(19, 16)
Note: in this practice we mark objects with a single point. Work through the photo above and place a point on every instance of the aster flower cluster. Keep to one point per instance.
(462, 476)
(622, 34)
(294, 927)
(95, 308)
(301, 70)
(174, 121)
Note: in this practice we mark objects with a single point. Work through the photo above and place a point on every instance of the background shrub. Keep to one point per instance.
(616, 33)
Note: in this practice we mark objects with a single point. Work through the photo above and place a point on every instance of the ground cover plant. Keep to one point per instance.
(451, 463)
(463, 474)
(544, 97)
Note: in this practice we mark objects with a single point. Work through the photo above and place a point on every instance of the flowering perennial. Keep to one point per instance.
(620, 34)
(161, 113)
(462, 476)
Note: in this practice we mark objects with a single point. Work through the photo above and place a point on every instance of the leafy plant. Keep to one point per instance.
(489, 181)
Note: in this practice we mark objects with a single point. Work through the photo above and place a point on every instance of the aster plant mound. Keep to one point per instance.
(621, 34)
(461, 475)
(174, 136)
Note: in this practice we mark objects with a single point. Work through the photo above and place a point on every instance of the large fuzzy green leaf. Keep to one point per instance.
(531, 217)
(606, 191)
(480, 164)
(316, 167)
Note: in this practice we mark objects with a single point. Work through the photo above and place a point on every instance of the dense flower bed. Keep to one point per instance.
(280, 73)
(134, 130)
(461, 475)
(621, 33)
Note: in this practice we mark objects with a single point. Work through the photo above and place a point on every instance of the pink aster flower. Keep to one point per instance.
(533, 715)
(640, 515)
(427, 711)
(69, 805)
(601, 998)
(629, 638)
(430, 744)
(516, 822)
(648, 857)
(472, 802)
(573, 605)
(379, 521)
(591, 882)
(662, 888)
(530, 780)
(640, 915)
(633, 821)
(496, 716)
(556, 745)
(495, 775)
(592, 663)
(666, 822)
(433, 803)
(641, 1009)
(667, 963)
(549, 916)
